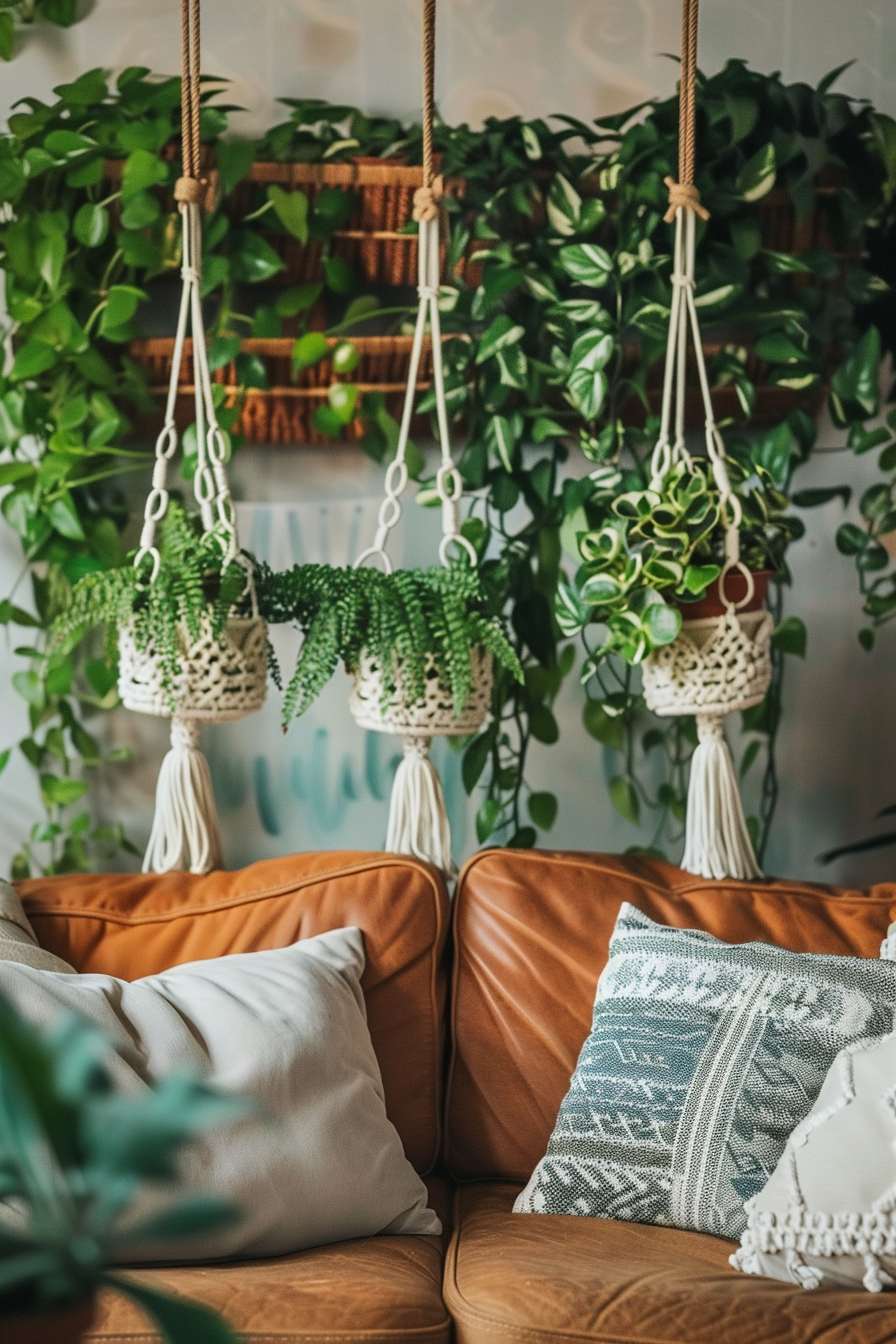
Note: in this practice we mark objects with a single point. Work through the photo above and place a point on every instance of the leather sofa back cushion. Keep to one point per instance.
(133, 926)
(532, 932)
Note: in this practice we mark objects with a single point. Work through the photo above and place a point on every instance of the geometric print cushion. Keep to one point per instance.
(702, 1058)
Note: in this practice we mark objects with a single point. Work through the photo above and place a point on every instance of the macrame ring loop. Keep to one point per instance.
(463, 542)
(156, 504)
(156, 560)
(741, 568)
(397, 468)
(449, 483)
(166, 444)
(374, 553)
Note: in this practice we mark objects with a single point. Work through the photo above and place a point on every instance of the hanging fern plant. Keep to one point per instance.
(192, 588)
(399, 619)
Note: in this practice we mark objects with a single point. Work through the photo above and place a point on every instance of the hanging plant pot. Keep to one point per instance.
(715, 603)
(283, 413)
(221, 679)
(718, 664)
(432, 717)
(62, 1327)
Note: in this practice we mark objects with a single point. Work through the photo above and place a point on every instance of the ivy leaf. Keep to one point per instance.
(564, 207)
(340, 275)
(34, 358)
(234, 159)
(91, 225)
(58, 791)
(121, 304)
(502, 333)
(757, 177)
(476, 758)
(7, 36)
(487, 818)
(501, 437)
(542, 725)
(625, 799)
(254, 259)
(142, 171)
(543, 809)
(309, 350)
(607, 729)
(343, 398)
(854, 386)
(586, 263)
(790, 636)
(64, 517)
(813, 499)
(291, 208)
(587, 382)
(50, 257)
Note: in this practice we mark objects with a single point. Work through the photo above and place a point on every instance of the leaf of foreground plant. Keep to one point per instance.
(179, 1322)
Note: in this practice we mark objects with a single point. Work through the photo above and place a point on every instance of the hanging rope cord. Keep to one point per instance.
(210, 484)
(449, 485)
(684, 207)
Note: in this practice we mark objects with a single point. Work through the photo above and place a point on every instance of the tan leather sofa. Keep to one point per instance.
(477, 1029)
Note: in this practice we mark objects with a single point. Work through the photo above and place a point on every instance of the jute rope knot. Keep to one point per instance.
(190, 190)
(683, 196)
(428, 199)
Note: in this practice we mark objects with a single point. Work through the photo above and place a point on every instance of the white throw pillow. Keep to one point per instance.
(827, 1215)
(319, 1162)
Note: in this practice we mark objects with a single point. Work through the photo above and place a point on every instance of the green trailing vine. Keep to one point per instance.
(555, 300)
(396, 619)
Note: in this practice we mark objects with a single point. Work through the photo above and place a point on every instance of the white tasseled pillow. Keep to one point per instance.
(827, 1215)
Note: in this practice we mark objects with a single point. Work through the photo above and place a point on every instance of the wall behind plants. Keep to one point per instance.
(505, 56)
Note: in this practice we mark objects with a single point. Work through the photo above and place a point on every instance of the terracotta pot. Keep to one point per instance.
(713, 604)
(62, 1327)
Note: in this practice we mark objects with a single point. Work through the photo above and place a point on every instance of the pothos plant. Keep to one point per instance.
(569, 320)
(650, 547)
(400, 620)
(556, 299)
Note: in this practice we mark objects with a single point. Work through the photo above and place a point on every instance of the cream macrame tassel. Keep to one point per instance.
(418, 821)
(717, 842)
(185, 831)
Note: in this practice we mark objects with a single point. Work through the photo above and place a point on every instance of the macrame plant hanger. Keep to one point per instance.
(221, 678)
(418, 821)
(722, 664)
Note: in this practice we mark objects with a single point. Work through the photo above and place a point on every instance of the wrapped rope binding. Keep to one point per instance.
(720, 665)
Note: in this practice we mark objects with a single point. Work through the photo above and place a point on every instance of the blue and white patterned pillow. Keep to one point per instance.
(701, 1060)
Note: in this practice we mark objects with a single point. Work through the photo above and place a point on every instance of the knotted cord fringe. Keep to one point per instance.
(185, 831)
(717, 842)
(418, 822)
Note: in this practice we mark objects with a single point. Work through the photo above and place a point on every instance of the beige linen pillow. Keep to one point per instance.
(319, 1162)
(827, 1215)
(17, 940)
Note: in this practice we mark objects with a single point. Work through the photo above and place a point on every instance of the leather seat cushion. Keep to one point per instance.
(131, 926)
(382, 1288)
(554, 1280)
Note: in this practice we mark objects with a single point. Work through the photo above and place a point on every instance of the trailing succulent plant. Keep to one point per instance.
(398, 618)
(191, 588)
(75, 1156)
(647, 549)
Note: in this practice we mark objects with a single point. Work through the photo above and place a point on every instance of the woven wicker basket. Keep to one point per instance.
(220, 679)
(435, 716)
(713, 667)
(283, 414)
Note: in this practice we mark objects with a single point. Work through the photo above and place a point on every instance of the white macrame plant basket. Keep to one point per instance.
(720, 665)
(418, 821)
(224, 677)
